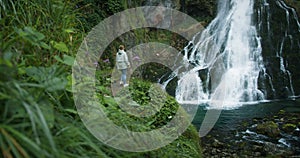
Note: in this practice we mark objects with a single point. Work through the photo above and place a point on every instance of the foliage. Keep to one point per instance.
(148, 97)
(186, 145)
(38, 117)
(94, 11)
(39, 40)
(149, 71)
(36, 31)
(38, 120)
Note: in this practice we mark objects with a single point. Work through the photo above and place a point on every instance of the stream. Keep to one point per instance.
(236, 134)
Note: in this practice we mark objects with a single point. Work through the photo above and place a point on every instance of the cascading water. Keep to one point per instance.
(229, 51)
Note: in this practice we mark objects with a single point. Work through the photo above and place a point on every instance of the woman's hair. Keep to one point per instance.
(121, 47)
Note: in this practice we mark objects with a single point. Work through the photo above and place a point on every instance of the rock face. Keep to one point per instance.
(202, 10)
(278, 26)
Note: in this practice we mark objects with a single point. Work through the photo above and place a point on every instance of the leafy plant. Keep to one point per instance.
(186, 145)
(39, 40)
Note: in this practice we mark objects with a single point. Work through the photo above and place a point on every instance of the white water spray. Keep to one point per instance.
(228, 50)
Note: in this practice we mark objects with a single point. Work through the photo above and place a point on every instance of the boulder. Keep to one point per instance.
(289, 128)
(269, 129)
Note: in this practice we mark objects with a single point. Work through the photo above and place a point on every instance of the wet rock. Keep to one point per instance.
(200, 8)
(268, 128)
(269, 148)
(255, 120)
(239, 143)
(217, 144)
(281, 112)
(273, 149)
(214, 151)
(257, 154)
(289, 128)
(257, 148)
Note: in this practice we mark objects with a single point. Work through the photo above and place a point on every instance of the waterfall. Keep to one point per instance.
(245, 48)
(228, 50)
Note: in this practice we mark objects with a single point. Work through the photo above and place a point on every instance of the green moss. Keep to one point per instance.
(245, 124)
(281, 112)
(268, 128)
(289, 127)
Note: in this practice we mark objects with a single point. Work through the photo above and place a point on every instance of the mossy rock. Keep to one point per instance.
(281, 112)
(269, 129)
(289, 127)
(254, 120)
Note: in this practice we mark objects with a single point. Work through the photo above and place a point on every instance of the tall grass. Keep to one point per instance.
(38, 118)
(37, 114)
(57, 20)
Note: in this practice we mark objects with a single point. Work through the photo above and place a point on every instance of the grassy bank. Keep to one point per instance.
(39, 41)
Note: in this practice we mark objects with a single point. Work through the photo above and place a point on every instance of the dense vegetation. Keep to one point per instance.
(39, 40)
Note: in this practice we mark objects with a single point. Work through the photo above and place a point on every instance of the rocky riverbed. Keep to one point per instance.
(276, 135)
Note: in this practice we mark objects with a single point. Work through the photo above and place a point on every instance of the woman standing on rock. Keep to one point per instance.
(122, 64)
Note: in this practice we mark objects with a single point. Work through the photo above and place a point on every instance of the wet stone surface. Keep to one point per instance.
(274, 135)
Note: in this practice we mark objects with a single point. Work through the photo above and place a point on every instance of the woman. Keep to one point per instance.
(122, 64)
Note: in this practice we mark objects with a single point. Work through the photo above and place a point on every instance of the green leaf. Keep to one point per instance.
(21, 68)
(50, 78)
(48, 112)
(69, 30)
(44, 45)
(69, 84)
(30, 145)
(58, 58)
(35, 73)
(71, 111)
(61, 46)
(69, 60)
(32, 36)
(11, 145)
(55, 84)
(7, 55)
(110, 101)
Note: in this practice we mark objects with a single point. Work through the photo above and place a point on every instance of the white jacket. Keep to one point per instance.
(122, 60)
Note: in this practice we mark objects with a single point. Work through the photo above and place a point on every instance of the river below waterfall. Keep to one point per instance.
(238, 132)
